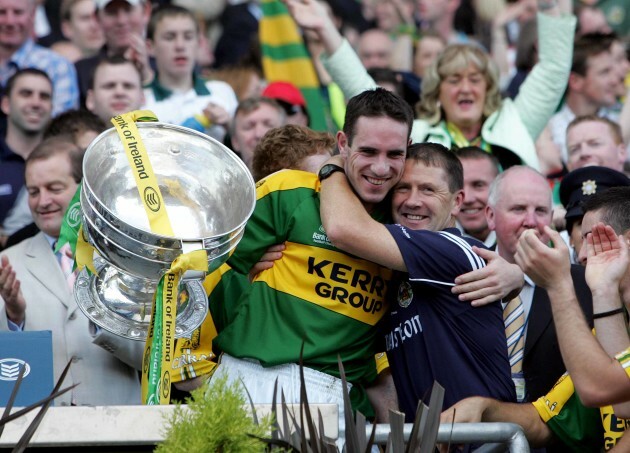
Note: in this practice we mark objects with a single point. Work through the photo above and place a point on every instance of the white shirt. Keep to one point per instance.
(180, 106)
(490, 241)
(527, 297)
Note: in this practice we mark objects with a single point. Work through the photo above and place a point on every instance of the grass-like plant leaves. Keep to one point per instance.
(45, 403)
(433, 419)
(28, 434)
(14, 392)
(309, 437)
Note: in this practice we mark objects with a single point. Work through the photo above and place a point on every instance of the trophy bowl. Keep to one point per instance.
(209, 195)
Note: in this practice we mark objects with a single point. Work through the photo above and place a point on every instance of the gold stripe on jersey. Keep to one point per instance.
(213, 279)
(551, 404)
(382, 363)
(299, 180)
(330, 279)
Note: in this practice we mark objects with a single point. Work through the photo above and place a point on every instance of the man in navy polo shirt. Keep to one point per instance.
(27, 102)
(431, 334)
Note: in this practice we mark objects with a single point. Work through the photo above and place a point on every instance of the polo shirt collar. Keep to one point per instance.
(161, 93)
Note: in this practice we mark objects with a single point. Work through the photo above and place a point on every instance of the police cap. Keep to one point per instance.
(580, 184)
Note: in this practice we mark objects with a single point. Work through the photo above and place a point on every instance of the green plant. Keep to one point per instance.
(215, 420)
(422, 439)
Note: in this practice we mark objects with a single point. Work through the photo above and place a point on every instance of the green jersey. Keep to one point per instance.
(579, 427)
(315, 295)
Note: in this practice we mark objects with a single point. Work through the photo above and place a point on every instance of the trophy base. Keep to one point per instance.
(122, 304)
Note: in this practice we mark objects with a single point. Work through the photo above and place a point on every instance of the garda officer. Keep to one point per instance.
(575, 188)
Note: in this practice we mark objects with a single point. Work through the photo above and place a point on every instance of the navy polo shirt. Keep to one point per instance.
(11, 178)
(431, 335)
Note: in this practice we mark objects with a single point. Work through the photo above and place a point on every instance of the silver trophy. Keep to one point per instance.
(209, 194)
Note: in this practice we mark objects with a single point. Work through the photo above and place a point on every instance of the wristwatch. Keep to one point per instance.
(328, 170)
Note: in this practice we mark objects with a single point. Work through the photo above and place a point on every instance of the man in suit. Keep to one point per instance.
(519, 200)
(577, 410)
(35, 293)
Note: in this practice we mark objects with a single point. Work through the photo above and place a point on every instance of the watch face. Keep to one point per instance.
(328, 170)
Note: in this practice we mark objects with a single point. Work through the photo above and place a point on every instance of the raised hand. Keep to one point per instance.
(10, 291)
(546, 266)
(308, 14)
(312, 16)
(217, 114)
(607, 257)
(138, 54)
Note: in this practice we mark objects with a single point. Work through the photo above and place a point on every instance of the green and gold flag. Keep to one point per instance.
(285, 59)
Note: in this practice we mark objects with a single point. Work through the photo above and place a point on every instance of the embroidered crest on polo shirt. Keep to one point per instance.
(405, 294)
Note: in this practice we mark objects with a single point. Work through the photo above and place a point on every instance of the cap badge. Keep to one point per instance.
(589, 187)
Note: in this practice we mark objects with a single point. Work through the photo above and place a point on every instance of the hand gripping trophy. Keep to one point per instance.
(160, 207)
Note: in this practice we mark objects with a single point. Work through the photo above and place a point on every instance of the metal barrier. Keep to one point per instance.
(494, 436)
(113, 428)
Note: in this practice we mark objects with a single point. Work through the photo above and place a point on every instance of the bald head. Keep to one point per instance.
(519, 200)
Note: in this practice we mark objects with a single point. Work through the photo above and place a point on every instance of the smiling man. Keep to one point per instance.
(177, 93)
(480, 169)
(431, 335)
(316, 296)
(35, 292)
(592, 87)
(19, 51)
(28, 105)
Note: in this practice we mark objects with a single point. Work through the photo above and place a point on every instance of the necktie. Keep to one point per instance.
(67, 263)
(514, 320)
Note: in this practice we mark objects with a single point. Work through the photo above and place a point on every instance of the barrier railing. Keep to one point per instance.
(494, 436)
(113, 427)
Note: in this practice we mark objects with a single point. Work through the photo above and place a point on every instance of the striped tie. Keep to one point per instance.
(514, 320)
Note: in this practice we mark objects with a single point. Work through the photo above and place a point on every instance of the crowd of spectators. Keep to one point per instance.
(530, 96)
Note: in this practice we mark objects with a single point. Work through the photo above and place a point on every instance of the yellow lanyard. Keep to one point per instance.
(459, 141)
(160, 343)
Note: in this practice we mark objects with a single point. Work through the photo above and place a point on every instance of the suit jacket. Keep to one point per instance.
(105, 365)
(542, 361)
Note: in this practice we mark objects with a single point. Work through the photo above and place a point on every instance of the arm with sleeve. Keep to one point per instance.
(542, 90)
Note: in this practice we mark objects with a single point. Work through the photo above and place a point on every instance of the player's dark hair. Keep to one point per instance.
(436, 155)
(373, 104)
(614, 205)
